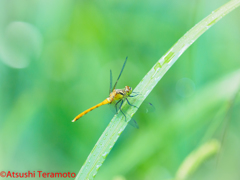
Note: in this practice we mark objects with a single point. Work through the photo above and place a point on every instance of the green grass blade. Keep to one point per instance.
(118, 123)
(196, 158)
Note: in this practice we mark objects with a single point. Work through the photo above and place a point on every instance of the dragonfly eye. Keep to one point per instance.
(128, 89)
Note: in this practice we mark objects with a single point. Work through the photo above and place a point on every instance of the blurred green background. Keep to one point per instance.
(55, 58)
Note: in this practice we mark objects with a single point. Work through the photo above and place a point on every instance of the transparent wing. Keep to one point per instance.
(110, 90)
(133, 123)
(149, 108)
(119, 74)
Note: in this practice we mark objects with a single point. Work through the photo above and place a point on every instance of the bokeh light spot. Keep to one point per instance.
(20, 43)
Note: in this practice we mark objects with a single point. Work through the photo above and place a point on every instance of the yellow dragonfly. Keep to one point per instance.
(117, 96)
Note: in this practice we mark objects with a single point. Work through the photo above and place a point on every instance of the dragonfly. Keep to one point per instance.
(116, 96)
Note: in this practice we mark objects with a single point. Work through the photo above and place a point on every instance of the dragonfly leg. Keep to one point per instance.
(131, 104)
(136, 93)
(133, 95)
(117, 104)
(121, 109)
(123, 114)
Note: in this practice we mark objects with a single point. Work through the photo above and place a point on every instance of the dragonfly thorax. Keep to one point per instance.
(118, 94)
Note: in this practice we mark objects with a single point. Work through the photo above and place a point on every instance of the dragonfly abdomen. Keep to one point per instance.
(106, 101)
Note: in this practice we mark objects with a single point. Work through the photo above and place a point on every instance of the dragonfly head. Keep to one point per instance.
(128, 90)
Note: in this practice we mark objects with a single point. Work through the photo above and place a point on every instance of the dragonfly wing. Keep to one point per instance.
(110, 90)
(119, 74)
(149, 108)
(133, 123)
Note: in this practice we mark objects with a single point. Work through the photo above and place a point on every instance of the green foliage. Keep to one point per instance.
(196, 158)
(55, 58)
(117, 124)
